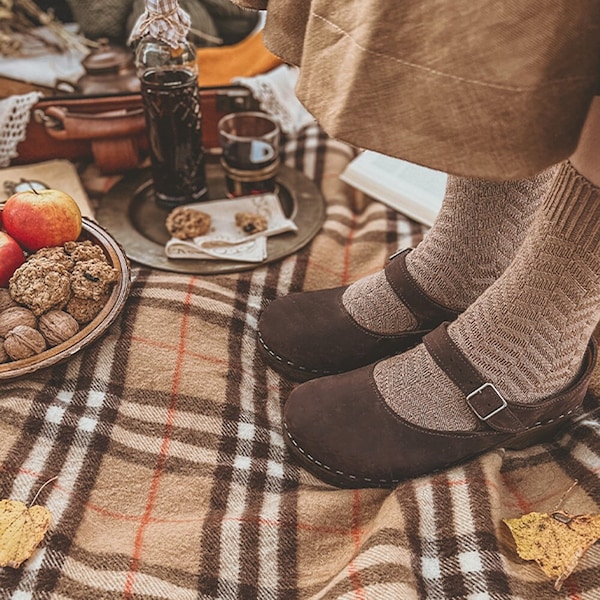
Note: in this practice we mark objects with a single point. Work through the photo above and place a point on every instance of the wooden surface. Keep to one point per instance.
(12, 87)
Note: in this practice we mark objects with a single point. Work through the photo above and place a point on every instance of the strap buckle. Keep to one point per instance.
(483, 409)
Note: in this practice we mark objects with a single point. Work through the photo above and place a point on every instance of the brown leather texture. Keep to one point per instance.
(106, 125)
(429, 313)
(341, 429)
(111, 130)
(487, 404)
(311, 334)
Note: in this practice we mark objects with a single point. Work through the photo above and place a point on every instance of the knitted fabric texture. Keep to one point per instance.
(528, 332)
(101, 19)
(480, 226)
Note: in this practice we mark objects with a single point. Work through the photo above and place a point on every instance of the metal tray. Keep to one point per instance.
(129, 212)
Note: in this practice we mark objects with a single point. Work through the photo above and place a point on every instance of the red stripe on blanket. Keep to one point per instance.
(139, 538)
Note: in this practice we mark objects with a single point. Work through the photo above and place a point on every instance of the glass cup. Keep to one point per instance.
(250, 159)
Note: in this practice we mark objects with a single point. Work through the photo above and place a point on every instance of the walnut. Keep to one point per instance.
(57, 327)
(6, 300)
(24, 341)
(16, 315)
(3, 355)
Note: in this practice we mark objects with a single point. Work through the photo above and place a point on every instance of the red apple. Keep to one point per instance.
(11, 258)
(41, 218)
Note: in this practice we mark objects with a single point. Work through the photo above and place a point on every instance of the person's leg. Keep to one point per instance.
(480, 226)
(528, 335)
(476, 234)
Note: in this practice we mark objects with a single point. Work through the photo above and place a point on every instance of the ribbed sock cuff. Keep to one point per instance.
(578, 218)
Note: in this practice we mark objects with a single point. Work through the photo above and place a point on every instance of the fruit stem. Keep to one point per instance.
(43, 486)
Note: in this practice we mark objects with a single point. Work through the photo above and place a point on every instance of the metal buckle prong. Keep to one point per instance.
(502, 406)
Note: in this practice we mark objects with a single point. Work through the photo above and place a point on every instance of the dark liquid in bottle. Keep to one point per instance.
(174, 122)
(250, 168)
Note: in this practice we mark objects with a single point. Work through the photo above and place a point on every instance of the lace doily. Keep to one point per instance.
(275, 92)
(15, 112)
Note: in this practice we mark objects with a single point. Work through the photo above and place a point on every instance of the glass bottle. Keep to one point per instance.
(171, 99)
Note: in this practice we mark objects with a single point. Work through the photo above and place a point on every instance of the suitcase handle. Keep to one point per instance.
(112, 128)
(63, 124)
(112, 134)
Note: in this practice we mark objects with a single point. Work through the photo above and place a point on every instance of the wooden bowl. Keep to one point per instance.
(99, 324)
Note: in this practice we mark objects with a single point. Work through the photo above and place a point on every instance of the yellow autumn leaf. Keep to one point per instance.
(21, 530)
(556, 541)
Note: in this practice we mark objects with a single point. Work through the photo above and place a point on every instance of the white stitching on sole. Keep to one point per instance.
(394, 481)
(324, 466)
(289, 362)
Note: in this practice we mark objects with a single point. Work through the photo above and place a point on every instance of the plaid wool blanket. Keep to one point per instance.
(173, 481)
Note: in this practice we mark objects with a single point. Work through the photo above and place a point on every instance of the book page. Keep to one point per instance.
(411, 189)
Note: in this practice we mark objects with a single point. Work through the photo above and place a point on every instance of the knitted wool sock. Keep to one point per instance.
(479, 228)
(528, 332)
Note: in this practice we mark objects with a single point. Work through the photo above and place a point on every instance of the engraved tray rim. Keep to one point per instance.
(301, 199)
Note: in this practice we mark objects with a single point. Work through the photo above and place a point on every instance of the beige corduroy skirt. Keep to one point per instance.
(486, 88)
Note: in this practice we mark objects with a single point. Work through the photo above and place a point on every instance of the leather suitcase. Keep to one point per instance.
(111, 130)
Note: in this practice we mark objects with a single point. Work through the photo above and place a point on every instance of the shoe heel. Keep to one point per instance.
(536, 435)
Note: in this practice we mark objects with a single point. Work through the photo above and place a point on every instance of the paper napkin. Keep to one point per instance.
(225, 241)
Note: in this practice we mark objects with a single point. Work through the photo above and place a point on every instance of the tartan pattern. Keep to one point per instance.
(173, 480)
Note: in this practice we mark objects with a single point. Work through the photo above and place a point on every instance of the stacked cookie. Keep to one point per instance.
(51, 295)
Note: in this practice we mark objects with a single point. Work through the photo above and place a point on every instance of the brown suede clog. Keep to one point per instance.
(310, 334)
(342, 430)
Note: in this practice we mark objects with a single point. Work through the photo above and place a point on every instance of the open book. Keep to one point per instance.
(415, 191)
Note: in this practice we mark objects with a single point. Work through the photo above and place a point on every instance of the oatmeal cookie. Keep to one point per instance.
(86, 250)
(40, 285)
(55, 255)
(84, 310)
(251, 222)
(91, 279)
(185, 223)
